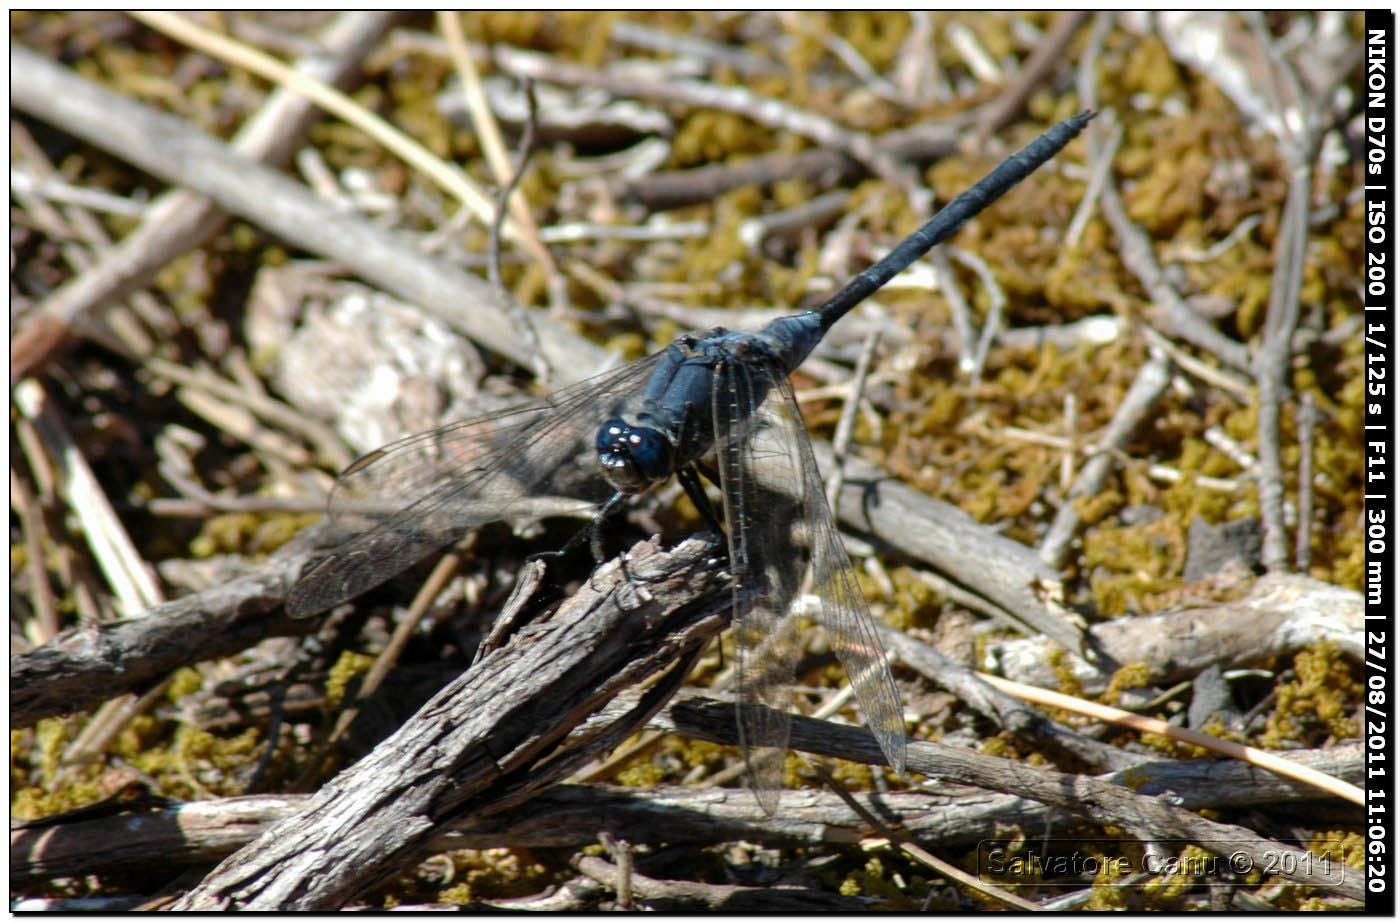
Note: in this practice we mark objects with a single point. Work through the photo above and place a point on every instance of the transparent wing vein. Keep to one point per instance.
(765, 644)
(846, 615)
(394, 506)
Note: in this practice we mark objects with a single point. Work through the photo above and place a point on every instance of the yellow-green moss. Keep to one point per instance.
(347, 668)
(1317, 706)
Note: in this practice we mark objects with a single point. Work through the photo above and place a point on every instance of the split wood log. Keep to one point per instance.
(512, 725)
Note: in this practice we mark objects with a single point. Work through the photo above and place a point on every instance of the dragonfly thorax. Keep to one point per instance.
(633, 458)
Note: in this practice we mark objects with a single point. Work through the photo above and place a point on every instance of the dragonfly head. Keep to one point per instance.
(633, 457)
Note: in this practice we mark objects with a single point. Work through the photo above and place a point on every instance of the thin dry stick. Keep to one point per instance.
(517, 310)
(1086, 74)
(46, 479)
(171, 149)
(1047, 55)
(281, 455)
(817, 212)
(920, 79)
(1072, 434)
(1098, 175)
(997, 303)
(71, 228)
(729, 898)
(52, 189)
(31, 522)
(126, 572)
(740, 60)
(833, 704)
(1307, 423)
(841, 439)
(510, 182)
(622, 855)
(845, 52)
(957, 306)
(1123, 718)
(1170, 310)
(109, 721)
(1271, 365)
(905, 843)
(1230, 383)
(274, 411)
(825, 167)
(1002, 710)
(116, 555)
(1151, 380)
(489, 133)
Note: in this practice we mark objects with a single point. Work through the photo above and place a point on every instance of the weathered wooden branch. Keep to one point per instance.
(1094, 799)
(1003, 571)
(494, 737)
(572, 815)
(180, 221)
(1151, 380)
(689, 894)
(1281, 614)
(86, 666)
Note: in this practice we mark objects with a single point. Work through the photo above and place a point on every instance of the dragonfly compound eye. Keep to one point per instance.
(633, 458)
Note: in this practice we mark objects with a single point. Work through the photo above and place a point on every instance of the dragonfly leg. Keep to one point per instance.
(690, 482)
(595, 528)
(562, 552)
(592, 531)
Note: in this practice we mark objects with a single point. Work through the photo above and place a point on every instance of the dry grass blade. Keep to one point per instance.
(904, 843)
(126, 572)
(489, 132)
(1250, 754)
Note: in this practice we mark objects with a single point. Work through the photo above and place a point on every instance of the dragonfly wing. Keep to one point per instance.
(761, 555)
(846, 615)
(398, 504)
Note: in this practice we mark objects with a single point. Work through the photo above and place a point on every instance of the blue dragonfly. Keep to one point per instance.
(717, 405)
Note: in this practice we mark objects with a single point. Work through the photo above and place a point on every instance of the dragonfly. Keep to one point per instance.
(716, 405)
